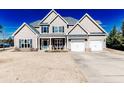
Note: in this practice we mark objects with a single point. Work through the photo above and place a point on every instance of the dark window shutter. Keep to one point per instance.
(63, 28)
(53, 29)
(48, 29)
(30, 43)
(41, 29)
(19, 43)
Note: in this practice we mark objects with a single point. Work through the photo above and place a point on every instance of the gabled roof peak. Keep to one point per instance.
(86, 14)
(51, 11)
(89, 17)
(57, 14)
(77, 24)
(23, 24)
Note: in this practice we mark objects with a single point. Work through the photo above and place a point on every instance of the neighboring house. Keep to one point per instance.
(55, 32)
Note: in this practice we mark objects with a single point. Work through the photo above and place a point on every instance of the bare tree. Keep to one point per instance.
(1, 28)
(1, 31)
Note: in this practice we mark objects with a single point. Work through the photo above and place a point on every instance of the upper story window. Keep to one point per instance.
(58, 29)
(45, 29)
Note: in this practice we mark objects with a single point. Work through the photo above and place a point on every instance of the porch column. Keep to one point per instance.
(50, 46)
(65, 47)
(87, 45)
(38, 43)
(67, 42)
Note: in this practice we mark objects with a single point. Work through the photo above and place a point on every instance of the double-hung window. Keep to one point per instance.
(45, 29)
(25, 43)
(58, 29)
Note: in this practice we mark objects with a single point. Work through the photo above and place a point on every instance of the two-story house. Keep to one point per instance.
(55, 32)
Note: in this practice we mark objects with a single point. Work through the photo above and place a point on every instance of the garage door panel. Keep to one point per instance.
(78, 46)
(96, 45)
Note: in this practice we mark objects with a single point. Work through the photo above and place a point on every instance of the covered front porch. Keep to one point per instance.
(52, 44)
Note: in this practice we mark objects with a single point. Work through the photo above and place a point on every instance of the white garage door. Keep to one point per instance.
(96, 45)
(78, 46)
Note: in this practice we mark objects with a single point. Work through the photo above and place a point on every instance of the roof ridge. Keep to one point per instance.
(67, 18)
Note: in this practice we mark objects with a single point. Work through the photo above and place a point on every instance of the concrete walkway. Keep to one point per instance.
(107, 66)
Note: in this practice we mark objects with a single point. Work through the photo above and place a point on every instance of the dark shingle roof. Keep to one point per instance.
(71, 20)
(33, 29)
(35, 23)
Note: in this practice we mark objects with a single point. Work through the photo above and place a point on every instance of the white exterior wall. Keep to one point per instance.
(25, 33)
(89, 25)
(58, 22)
(77, 31)
(97, 37)
(50, 18)
(69, 44)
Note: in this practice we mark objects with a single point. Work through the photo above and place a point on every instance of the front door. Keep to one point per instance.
(58, 43)
(45, 44)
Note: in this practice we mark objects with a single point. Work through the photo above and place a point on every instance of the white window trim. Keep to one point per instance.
(58, 29)
(42, 32)
(28, 41)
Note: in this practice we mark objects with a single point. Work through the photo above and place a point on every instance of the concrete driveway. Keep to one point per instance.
(107, 66)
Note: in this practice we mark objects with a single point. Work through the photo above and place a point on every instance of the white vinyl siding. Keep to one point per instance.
(58, 22)
(77, 30)
(88, 24)
(25, 33)
(49, 18)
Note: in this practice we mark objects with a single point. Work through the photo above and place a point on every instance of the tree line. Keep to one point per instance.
(115, 39)
(3, 40)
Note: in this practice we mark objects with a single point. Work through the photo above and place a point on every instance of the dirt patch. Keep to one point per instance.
(39, 67)
(2, 61)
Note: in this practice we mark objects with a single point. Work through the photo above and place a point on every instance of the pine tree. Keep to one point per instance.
(122, 28)
(114, 40)
(111, 40)
(113, 32)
